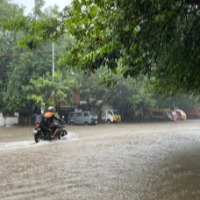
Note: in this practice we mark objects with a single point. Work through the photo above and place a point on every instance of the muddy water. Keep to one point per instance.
(151, 161)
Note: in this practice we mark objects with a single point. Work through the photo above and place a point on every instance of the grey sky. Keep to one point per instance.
(30, 3)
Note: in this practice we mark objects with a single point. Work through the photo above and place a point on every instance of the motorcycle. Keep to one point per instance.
(40, 132)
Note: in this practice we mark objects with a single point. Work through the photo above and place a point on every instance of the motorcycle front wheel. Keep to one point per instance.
(37, 137)
(63, 133)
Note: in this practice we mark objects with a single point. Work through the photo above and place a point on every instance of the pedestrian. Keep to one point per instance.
(176, 116)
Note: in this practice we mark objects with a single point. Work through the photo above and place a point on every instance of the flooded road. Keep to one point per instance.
(150, 161)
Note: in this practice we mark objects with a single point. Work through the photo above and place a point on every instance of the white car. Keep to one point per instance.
(82, 117)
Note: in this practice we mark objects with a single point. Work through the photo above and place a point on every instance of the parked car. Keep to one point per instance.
(110, 116)
(82, 117)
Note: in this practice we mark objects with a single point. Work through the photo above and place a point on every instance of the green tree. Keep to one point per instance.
(22, 67)
(48, 89)
(125, 95)
(139, 39)
(155, 38)
(8, 47)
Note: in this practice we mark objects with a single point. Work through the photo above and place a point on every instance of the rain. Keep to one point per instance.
(100, 101)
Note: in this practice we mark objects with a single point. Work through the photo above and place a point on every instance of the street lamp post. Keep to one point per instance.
(53, 59)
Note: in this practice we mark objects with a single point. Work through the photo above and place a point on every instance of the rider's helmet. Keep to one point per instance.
(51, 108)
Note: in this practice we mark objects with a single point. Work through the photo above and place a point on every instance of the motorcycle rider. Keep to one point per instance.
(49, 118)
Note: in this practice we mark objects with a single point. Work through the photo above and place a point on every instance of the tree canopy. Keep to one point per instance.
(132, 37)
(152, 37)
(141, 50)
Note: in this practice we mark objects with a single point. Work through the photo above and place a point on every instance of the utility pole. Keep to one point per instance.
(53, 59)
(53, 65)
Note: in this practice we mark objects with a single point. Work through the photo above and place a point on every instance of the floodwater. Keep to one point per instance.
(147, 161)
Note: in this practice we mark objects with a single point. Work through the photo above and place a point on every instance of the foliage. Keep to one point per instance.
(154, 38)
(22, 69)
(122, 94)
(48, 89)
(152, 43)
(7, 46)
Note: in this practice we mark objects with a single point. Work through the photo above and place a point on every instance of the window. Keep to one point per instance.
(78, 114)
(86, 114)
(110, 113)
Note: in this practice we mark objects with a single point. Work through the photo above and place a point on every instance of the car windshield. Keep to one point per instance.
(115, 112)
(93, 113)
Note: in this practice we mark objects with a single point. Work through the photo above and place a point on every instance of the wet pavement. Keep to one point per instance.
(144, 161)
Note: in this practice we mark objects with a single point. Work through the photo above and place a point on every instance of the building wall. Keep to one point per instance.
(9, 120)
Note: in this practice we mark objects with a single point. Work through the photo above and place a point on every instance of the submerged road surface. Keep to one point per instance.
(150, 161)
